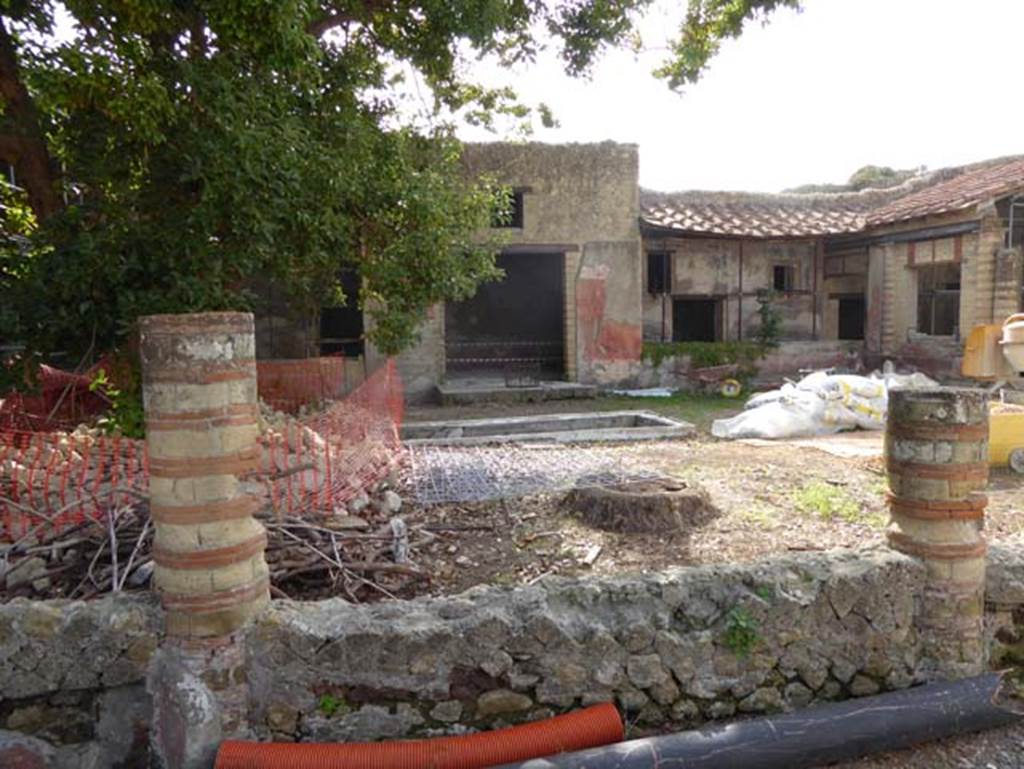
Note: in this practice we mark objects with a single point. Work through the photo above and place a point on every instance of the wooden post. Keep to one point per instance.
(936, 448)
(199, 390)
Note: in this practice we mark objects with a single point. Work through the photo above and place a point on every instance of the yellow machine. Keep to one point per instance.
(995, 354)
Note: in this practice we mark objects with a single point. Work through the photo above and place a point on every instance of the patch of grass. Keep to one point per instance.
(330, 705)
(741, 632)
(758, 516)
(830, 502)
(879, 487)
(697, 408)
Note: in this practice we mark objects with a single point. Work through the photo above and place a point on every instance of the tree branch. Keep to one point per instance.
(23, 144)
(335, 18)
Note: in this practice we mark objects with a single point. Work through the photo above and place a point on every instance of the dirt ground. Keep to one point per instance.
(773, 497)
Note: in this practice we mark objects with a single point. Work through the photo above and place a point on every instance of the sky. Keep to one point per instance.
(811, 97)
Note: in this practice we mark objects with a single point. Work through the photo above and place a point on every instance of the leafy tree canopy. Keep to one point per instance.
(170, 151)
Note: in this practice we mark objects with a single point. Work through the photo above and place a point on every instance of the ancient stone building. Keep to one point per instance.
(907, 271)
(595, 266)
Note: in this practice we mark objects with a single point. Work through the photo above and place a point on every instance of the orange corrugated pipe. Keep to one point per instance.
(587, 728)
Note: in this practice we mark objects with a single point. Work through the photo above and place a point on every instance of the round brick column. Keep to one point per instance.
(199, 389)
(936, 448)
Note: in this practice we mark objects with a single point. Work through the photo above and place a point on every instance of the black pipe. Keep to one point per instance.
(807, 738)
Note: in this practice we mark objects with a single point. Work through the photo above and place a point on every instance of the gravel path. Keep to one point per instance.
(995, 749)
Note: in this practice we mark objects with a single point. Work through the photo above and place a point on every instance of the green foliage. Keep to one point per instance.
(704, 354)
(880, 177)
(828, 502)
(125, 415)
(765, 592)
(741, 632)
(769, 320)
(329, 705)
(196, 145)
(707, 24)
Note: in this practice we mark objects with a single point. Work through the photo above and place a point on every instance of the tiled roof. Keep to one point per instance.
(753, 216)
(740, 214)
(956, 189)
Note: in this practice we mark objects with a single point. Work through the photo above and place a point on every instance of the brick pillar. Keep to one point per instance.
(199, 389)
(936, 448)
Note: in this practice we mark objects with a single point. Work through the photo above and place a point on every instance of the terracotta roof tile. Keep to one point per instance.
(968, 186)
(741, 214)
(755, 216)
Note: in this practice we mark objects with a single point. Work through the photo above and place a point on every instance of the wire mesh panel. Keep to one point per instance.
(477, 473)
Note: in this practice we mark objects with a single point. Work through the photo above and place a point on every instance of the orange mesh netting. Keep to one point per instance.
(310, 464)
(288, 385)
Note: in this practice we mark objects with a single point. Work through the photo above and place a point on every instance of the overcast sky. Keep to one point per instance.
(810, 97)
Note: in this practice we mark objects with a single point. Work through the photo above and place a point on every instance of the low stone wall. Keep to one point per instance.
(783, 362)
(690, 645)
(672, 650)
(72, 679)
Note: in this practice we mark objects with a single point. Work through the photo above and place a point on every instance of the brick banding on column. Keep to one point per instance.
(215, 601)
(231, 409)
(926, 432)
(936, 447)
(206, 373)
(212, 558)
(208, 512)
(965, 471)
(199, 385)
(236, 463)
(969, 509)
(947, 552)
(228, 420)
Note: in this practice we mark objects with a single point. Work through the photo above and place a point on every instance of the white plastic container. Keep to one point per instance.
(1013, 340)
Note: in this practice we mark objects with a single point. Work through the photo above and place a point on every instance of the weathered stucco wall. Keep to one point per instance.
(676, 648)
(710, 267)
(990, 285)
(786, 361)
(421, 366)
(582, 199)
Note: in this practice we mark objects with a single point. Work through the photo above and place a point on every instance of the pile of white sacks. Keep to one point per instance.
(819, 404)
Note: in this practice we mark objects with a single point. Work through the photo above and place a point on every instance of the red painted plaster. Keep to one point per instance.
(603, 340)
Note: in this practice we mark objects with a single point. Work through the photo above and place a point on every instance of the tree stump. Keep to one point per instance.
(643, 507)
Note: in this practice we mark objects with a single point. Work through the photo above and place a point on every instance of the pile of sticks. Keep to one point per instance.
(309, 558)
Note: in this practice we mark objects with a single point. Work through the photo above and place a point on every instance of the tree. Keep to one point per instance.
(173, 150)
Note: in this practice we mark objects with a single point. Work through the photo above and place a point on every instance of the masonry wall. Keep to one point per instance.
(676, 649)
(581, 201)
(990, 284)
(710, 268)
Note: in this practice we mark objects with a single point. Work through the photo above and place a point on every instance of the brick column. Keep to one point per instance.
(936, 448)
(199, 389)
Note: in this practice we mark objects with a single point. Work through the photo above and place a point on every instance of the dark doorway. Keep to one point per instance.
(512, 325)
(851, 317)
(695, 320)
(341, 328)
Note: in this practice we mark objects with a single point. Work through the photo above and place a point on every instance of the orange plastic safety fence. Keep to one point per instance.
(309, 465)
(288, 385)
(321, 462)
(62, 399)
(62, 479)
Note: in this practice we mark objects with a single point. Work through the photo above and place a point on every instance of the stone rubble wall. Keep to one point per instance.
(681, 647)
(72, 680)
(669, 649)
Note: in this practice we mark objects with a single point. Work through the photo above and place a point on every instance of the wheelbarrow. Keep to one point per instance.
(716, 379)
(1006, 437)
